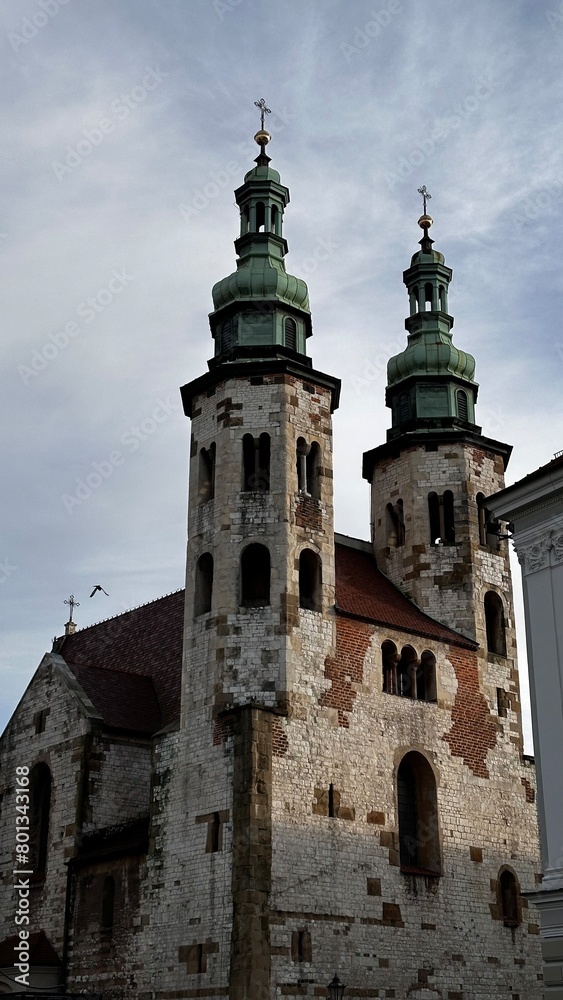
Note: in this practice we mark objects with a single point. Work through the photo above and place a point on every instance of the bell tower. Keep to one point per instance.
(431, 532)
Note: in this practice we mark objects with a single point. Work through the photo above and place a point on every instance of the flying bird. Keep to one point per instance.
(98, 587)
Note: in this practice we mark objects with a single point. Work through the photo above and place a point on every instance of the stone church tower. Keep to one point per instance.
(311, 762)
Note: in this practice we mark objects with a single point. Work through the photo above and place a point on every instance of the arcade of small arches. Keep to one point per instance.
(254, 580)
(256, 460)
(407, 674)
(441, 522)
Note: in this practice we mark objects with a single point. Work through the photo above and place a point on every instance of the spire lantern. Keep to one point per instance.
(430, 384)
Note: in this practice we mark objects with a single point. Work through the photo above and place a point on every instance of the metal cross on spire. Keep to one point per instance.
(426, 196)
(261, 104)
(73, 604)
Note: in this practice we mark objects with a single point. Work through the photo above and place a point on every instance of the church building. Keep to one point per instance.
(309, 763)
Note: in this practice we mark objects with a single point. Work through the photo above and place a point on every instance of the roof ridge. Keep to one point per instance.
(121, 614)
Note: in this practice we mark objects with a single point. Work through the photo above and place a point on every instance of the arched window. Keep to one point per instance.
(40, 809)
(494, 621)
(206, 478)
(417, 810)
(255, 576)
(416, 302)
(395, 520)
(389, 660)
(428, 297)
(426, 677)
(301, 465)
(441, 517)
(214, 834)
(406, 672)
(108, 903)
(313, 471)
(290, 331)
(256, 463)
(274, 216)
(442, 304)
(260, 217)
(462, 406)
(203, 584)
(510, 899)
(487, 536)
(310, 581)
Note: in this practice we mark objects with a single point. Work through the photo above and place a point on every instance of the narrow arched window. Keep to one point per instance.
(301, 459)
(255, 576)
(417, 810)
(206, 476)
(406, 672)
(39, 816)
(434, 517)
(509, 898)
(395, 521)
(449, 523)
(260, 217)
(214, 834)
(108, 903)
(442, 305)
(428, 296)
(274, 216)
(203, 584)
(416, 299)
(462, 406)
(313, 471)
(426, 677)
(495, 624)
(441, 517)
(389, 661)
(310, 581)
(482, 516)
(290, 330)
(256, 463)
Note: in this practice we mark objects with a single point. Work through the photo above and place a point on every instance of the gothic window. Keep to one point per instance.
(395, 520)
(290, 330)
(417, 809)
(389, 660)
(40, 809)
(509, 898)
(310, 581)
(108, 903)
(255, 576)
(260, 217)
(206, 478)
(495, 624)
(462, 407)
(203, 584)
(441, 516)
(256, 463)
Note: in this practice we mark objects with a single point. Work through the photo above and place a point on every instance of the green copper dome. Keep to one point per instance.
(260, 309)
(430, 384)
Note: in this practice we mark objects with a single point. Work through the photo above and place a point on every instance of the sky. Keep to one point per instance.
(126, 127)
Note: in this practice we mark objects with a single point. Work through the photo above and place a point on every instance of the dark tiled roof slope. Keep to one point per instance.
(362, 590)
(146, 641)
(126, 701)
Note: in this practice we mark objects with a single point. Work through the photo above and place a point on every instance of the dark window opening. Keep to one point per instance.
(256, 463)
(462, 405)
(226, 336)
(442, 298)
(310, 581)
(390, 659)
(214, 834)
(274, 216)
(488, 528)
(39, 720)
(509, 897)
(290, 328)
(441, 517)
(200, 959)
(331, 802)
(313, 471)
(108, 903)
(495, 624)
(301, 465)
(428, 297)
(245, 220)
(502, 703)
(417, 808)
(206, 479)
(406, 672)
(255, 576)
(395, 521)
(426, 677)
(406, 675)
(203, 584)
(301, 950)
(40, 808)
(416, 299)
(260, 217)
(404, 408)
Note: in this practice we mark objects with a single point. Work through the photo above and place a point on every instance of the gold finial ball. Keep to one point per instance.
(262, 137)
(425, 221)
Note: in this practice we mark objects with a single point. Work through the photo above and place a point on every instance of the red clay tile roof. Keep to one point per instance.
(364, 592)
(145, 641)
(124, 700)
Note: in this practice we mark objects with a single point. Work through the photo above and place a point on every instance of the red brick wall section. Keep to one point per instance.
(474, 730)
(279, 738)
(347, 667)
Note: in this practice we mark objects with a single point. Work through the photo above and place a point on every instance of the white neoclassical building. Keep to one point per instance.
(535, 507)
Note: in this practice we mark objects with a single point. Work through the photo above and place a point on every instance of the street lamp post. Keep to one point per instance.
(336, 989)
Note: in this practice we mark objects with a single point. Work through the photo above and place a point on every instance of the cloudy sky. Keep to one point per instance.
(126, 127)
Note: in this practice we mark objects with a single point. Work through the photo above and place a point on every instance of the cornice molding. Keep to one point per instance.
(539, 548)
